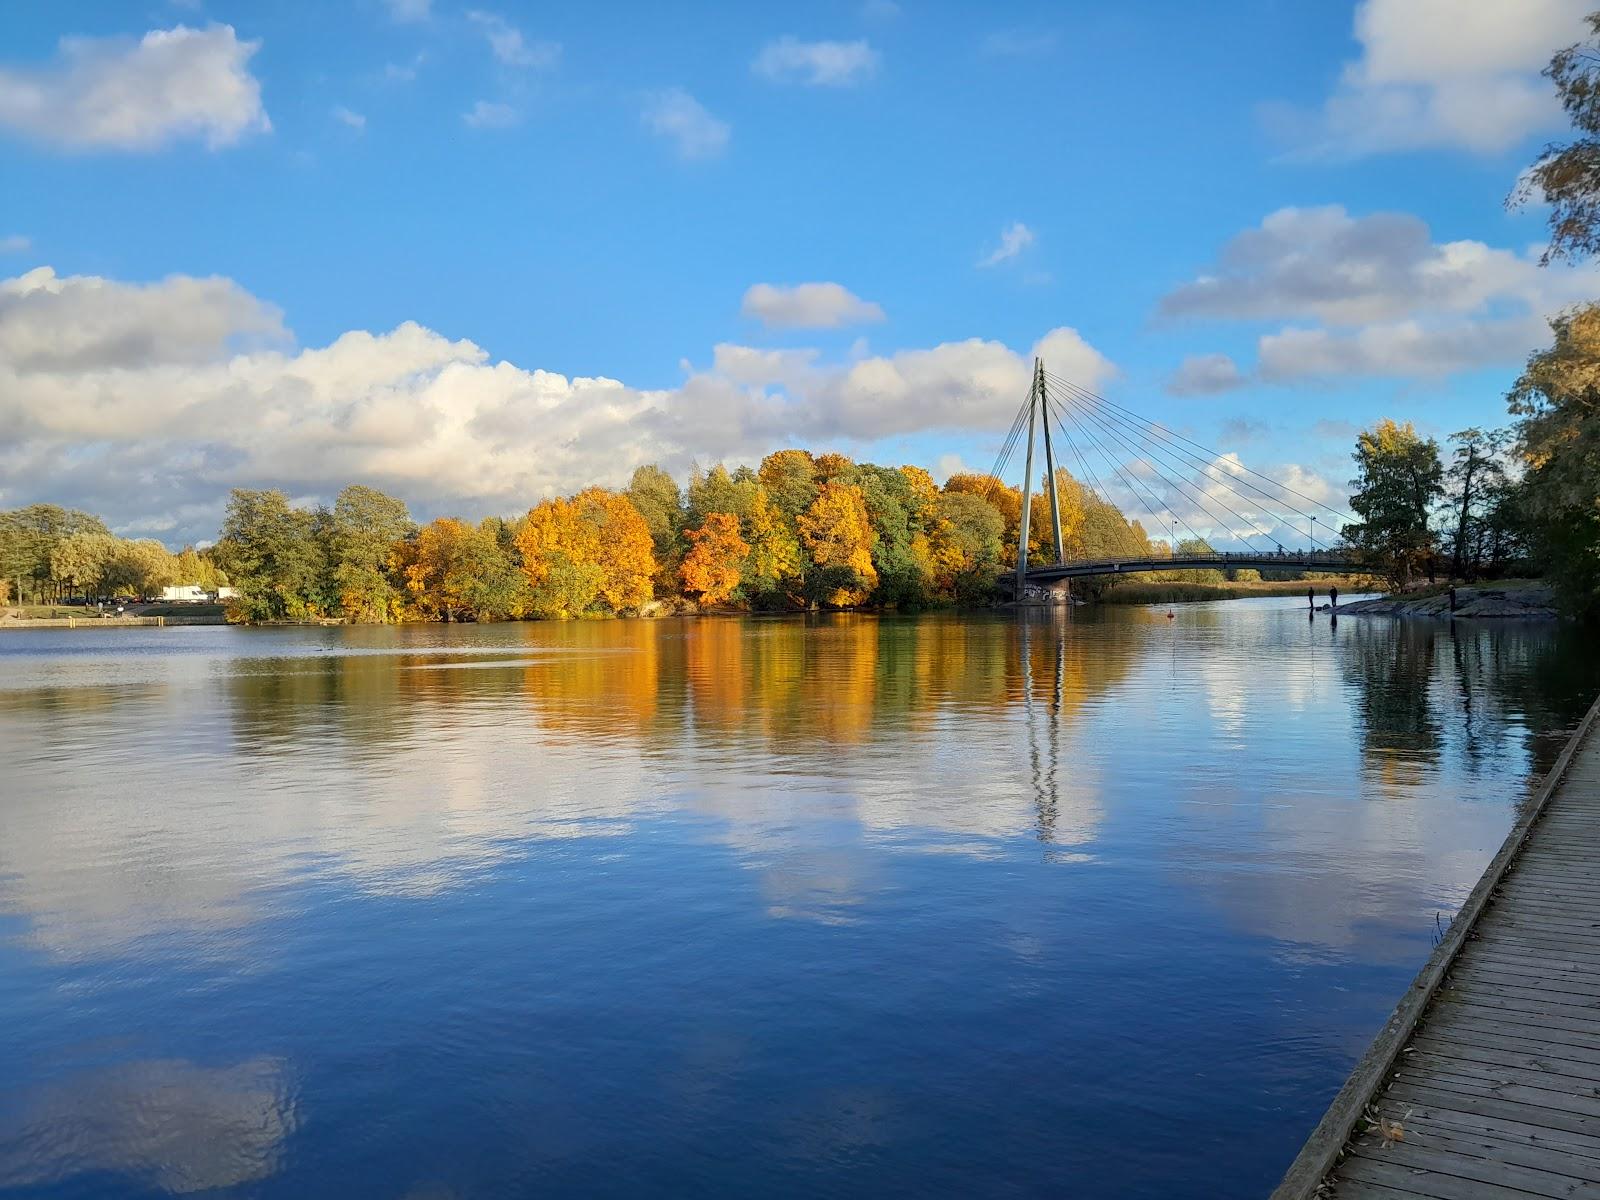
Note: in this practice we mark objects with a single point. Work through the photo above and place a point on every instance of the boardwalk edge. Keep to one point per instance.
(1325, 1146)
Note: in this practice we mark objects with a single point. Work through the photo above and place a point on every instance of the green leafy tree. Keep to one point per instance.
(717, 491)
(27, 538)
(1399, 479)
(271, 552)
(365, 530)
(660, 502)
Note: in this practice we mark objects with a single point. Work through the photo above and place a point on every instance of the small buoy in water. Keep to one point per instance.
(1171, 616)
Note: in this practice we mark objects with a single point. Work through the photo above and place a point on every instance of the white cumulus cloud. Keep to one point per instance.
(147, 402)
(119, 93)
(1441, 73)
(817, 64)
(808, 306)
(1372, 295)
(681, 119)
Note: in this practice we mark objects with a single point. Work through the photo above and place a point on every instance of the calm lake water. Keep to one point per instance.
(1103, 904)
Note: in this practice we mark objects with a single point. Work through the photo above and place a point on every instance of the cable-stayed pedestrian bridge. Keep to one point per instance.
(1330, 561)
(1180, 484)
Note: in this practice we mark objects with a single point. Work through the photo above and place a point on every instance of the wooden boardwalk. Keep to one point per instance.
(1486, 1080)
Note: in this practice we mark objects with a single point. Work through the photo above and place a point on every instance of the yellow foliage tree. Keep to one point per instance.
(598, 540)
(715, 560)
(837, 533)
(453, 571)
(774, 550)
(831, 466)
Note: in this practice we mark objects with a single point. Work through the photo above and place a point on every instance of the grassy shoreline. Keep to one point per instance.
(1194, 593)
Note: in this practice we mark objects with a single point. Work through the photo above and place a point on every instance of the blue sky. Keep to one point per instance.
(591, 192)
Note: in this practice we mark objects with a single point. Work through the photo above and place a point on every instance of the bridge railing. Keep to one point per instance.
(1295, 558)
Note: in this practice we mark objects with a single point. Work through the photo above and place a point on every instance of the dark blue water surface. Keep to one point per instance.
(1096, 905)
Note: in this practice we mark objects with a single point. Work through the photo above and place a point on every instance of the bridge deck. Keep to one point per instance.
(1490, 1066)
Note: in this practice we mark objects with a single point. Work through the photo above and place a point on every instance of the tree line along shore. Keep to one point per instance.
(805, 531)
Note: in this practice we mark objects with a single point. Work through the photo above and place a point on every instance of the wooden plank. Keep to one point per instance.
(1425, 1117)
(1484, 1100)
(1489, 975)
(1438, 1158)
(1575, 1058)
(1556, 1029)
(1578, 1016)
(1463, 1143)
(1491, 992)
(1415, 1182)
(1456, 1047)
(1564, 1091)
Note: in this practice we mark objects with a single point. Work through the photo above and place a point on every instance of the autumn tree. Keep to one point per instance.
(790, 477)
(1399, 479)
(594, 547)
(141, 567)
(1558, 441)
(713, 567)
(966, 545)
(831, 467)
(837, 534)
(775, 563)
(455, 572)
(660, 502)
(82, 562)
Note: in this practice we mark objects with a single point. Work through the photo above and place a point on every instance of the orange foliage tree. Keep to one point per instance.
(837, 533)
(593, 546)
(455, 571)
(715, 562)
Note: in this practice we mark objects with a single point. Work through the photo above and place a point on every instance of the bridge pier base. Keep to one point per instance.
(1057, 592)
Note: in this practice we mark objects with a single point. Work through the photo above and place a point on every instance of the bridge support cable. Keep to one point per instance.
(1183, 461)
(1132, 482)
(1185, 489)
(1049, 458)
(1180, 444)
(997, 473)
(1129, 477)
(1027, 489)
(1173, 435)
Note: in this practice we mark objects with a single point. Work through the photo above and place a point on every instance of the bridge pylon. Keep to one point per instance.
(1038, 411)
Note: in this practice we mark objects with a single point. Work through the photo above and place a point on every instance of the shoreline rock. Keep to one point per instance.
(1472, 603)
